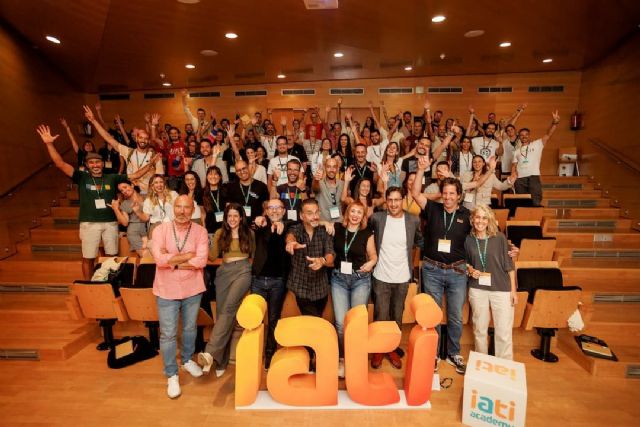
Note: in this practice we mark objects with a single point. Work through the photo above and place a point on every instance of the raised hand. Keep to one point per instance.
(384, 172)
(456, 129)
(45, 134)
(147, 118)
(472, 111)
(184, 93)
(424, 163)
(427, 105)
(118, 119)
(370, 104)
(254, 121)
(348, 174)
(283, 121)
(319, 175)
(63, 122)
(215, 151)
(88, 114)
(98, 106)
(339, 101)
(155, 119)
(327, 109)
(301, 182)
(115, 204)
(556, 117)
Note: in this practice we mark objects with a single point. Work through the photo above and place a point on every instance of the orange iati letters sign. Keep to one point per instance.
(288, 380)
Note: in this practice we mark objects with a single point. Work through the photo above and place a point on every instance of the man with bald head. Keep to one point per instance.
(180, 249)
(247, 192)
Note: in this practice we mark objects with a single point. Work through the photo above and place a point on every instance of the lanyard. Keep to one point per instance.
(362, 171)
(482, 253)
(295, 198)
(526, 153)
(96, 186)
(143, 159)
(216, 199)
(444, 218)
(161, 206)
(467, 160)
(348, 246)
(179, 246)
(246, 196)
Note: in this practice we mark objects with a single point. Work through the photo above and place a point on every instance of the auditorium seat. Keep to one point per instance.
(529, 214)
(518, 230)
(514, 201)
(549, 303)
(141, 305)
(537, 249)
(501, 216)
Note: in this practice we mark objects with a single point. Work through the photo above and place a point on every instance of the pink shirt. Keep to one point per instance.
(172, 283)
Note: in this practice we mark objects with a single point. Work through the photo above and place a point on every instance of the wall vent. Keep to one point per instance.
(204, 95)
(395, 90)
(616, 298)
(251, 93)
(445, 90)
(114, 96)
(546, 89)
(289, 92)
(495, 89)
(164, 95)
(346, 91)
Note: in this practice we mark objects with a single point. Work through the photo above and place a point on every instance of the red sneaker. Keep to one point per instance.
(395, 360)
(376, 360)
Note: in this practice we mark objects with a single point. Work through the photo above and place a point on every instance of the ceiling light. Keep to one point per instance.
(438, 18)
(190, 66)
(166, 84)
(547, 60)
(408, 68)
(189, 1)
(505, 44)
(281, 76)
(162, 76)
(231, 35)
(53, 39)
(208, 52)
(338, 54)
(442, 56)
(474, 33)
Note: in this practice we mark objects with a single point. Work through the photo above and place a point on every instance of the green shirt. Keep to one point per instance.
(91, 189)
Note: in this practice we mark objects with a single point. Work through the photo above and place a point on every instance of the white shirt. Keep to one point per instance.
(269, 144)
(136, 160)
(527, 159)
(507, 156)
(280, 163)
(393, 266)
(466, 162)
(484, 148)
(260, 174)
(375, 152)
(162, 212)
(311, 148)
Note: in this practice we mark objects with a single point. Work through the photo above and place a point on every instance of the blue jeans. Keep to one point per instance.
(436, 282)
(348, 291)
(273, 291)
(168, 313)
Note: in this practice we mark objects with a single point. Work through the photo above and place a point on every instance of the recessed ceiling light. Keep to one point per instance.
(438, 18)
(231, 35)
(281, 76)
(547, 60)
(208, 52)
(442, 56)
(474, 33)
(190, 66)
(338, 54)
(53, 39)
(162, 75)
(505, 44)
(189, 1)
(408, 68)
(166, 84)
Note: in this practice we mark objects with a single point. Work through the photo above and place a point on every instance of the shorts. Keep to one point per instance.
(91, 233)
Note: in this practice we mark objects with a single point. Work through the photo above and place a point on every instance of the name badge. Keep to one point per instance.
(108, 165)
(247, 211)
(525, 161)
(232, 169)
(484, 279)
(334, 212)
(292, 214)
(93, 188)
(468, 197)
(444, 245)
(101, 204)
(219, 216)
(346, 267)
(424, 179)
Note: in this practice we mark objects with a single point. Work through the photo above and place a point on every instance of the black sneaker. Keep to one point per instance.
(458, 362)
(267, 362)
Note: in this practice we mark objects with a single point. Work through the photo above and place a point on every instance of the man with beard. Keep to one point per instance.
(486, 146)
(210, 157)
(199, 124)
(277, 171)
(362, 168)
(247, 192)
(175, 151)
(328, 189)
(96, 190)
(293, 192)
(136, 158)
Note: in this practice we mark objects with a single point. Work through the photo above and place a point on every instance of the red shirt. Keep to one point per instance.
(175, 153)
(307, 130)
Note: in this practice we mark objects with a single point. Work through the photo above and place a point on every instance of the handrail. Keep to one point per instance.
(615, 155)
(36, 172)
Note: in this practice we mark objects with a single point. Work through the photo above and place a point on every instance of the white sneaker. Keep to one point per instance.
(220, 372)
(206, 360)
(341, 367)
(173, 387)
(193, 368)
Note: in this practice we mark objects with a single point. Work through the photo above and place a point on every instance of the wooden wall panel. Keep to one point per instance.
(32, 93)
(609, 99)
(537, 116)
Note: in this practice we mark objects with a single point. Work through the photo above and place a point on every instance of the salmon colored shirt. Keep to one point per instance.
(172, 283)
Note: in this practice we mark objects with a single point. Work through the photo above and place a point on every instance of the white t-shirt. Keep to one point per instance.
(269, 144)
(160, 212)
(260, 174)
(527, 159)
(466, 162)
(136, 160)
(393, 265)
(310, 147)
(507, 156)
(484, 148)
(375, 152)
(280, 163)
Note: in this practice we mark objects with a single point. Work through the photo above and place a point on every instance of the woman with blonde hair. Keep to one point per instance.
(492, 283)
(355, 258)
(158, 205)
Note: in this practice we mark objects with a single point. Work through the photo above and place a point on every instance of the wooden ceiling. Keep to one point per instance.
(122, 45)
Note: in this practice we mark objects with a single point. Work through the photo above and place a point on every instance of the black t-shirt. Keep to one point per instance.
(214, 201)
(435, 229)
(253, 195)
(276, 263)
(229, 157)
(298, 151)
(291, 197)
(361, 172)
(110, 155)
(357, 254)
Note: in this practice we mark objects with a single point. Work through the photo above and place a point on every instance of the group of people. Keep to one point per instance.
(318, 209)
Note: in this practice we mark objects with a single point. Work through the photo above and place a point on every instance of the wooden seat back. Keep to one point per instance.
(537, 250)
(529, 214)
(98, 301)
(501, 216)
(140, 304)
(551, 308)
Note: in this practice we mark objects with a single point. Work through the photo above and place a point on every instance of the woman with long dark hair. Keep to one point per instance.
(362, 192)
(192, 187)
(345, 151)
(236, 243)
(214, 199)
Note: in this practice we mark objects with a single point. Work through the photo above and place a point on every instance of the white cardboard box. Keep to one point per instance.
(495, 392)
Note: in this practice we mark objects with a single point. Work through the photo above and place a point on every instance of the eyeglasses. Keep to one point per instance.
(274, 207)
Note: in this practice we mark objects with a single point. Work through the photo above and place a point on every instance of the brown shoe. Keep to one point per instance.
(376, 360)
(395, 360)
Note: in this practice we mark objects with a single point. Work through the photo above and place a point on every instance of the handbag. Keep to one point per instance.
(127, 351)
